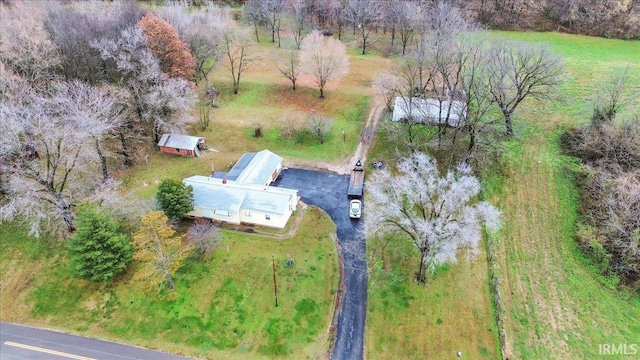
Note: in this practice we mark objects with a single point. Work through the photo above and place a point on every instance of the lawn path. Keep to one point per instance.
(554, 307)
(364, 145)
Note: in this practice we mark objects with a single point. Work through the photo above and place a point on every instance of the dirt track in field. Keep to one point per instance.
(531, 258)
(362, 151)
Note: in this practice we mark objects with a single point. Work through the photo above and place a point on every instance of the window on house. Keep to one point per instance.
(222, 212)
(267, 217)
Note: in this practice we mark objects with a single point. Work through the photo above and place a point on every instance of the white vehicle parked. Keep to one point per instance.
(355, 209)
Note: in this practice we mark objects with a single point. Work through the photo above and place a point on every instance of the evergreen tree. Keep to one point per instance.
(98, 251)
(175, 198)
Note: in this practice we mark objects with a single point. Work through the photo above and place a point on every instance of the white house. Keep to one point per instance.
(430, 111)
(243, 194)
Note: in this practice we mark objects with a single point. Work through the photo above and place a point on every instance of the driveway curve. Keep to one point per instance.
(328, 191)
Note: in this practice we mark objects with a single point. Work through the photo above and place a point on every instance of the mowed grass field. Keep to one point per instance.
(556, 307)
(224, 306)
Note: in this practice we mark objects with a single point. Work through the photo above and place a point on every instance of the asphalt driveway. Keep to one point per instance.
(328, 191)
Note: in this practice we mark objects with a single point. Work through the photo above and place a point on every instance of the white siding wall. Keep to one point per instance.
(234, 217)
(249, 217)
(260, 218)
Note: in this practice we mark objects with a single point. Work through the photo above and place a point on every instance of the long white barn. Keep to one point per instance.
(430, 111)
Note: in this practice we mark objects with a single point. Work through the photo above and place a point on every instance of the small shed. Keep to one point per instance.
(179, 144)
(430, 111)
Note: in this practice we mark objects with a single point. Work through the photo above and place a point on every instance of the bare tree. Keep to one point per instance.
(52, 169)
(253, 13)
(152, 101)
(73, 27)
(389, 17)
(323, 58)
(274, 10)
(363, 15)
(299, 11)
(204, 235)
(519, 71)
(478, 120)
(169, 106)
(610, 97)
(287, 61)
(433, 212)
(26, 47)
(83, 103)
(407, 16)
(320, 126)
(337, 9)
(610, 194)
(240, 55)
(205, 46)
(202, 30)
(386, 86)
(438, 26)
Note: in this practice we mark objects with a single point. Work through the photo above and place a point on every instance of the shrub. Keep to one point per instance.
(610, 195)
(204, 235)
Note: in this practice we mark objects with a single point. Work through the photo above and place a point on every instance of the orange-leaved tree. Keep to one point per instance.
(160, 252)
(172, 53)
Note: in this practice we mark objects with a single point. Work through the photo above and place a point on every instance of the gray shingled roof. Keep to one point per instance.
(179, 141)
(429, 111)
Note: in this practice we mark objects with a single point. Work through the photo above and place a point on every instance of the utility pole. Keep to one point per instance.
(275, 284)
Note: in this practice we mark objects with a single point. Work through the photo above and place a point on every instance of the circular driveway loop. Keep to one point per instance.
(328, 191)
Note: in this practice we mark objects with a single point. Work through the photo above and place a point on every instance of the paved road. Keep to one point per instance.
(328, 191)
(23, 342)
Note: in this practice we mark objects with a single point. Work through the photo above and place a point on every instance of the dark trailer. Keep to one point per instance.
(356, 183)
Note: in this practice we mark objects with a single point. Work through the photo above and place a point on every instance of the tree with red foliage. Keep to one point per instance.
(172, 53)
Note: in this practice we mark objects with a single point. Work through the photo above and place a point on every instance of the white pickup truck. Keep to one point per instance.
(355, 209)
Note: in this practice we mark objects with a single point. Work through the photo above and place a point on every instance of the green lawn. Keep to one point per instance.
(406, 320)
(224, 306)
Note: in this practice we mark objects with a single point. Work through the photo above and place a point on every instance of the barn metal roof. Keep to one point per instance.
(259, 168)
(179, 141)
(429, 111)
